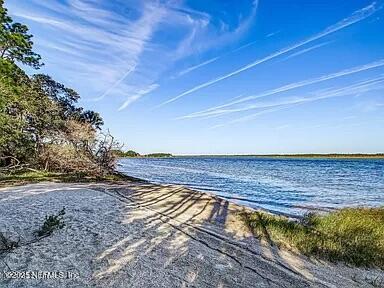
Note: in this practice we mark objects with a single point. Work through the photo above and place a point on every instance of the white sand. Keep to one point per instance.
(144, 235)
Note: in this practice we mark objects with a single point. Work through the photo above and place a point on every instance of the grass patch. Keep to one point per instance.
(26, 177)
(351, 235)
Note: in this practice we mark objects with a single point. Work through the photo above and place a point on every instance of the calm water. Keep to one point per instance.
(284, 185)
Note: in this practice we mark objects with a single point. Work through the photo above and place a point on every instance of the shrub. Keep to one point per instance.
(65, 158)
(51, 223)
(80, 149)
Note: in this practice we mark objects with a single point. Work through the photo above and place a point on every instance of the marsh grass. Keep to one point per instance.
(351, 235)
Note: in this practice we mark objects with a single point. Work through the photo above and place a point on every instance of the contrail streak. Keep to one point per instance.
(190, 69)
(360, 87)
(219, 111)
(357, 16)
(117, 83)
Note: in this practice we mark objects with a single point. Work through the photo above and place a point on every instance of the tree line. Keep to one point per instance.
(41, 124)
(130, 153)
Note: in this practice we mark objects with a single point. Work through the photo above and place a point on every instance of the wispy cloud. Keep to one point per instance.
(219, 110)
(273, 34)
(190, 69)
(202, 64)
(116, 84)
(106, 47)
(202, 36)
(306, 50)
(282, 104)
(357, 16)
(369, 106)
(191, 40)
(114, 44)
(137, 95)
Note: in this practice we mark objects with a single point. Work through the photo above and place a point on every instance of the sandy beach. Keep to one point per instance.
(145, 235)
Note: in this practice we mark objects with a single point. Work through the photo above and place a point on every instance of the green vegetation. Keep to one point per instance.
(52, 223)
(129, 153)
(351, 235)
(15, 42)
(45, 135)
(41, 126)
(158, 155)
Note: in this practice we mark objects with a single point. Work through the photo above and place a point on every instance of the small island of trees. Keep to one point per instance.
(131, 153)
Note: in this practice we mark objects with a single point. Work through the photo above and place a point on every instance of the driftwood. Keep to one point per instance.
(16, 165)
(14, 162)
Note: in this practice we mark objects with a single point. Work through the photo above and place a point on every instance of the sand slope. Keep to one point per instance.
(145, 235)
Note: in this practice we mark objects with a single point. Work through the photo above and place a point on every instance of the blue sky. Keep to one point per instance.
(217, 77)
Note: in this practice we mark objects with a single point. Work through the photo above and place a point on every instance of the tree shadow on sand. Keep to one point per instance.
(184, 239)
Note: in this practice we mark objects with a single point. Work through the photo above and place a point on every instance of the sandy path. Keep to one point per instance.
(144, 235)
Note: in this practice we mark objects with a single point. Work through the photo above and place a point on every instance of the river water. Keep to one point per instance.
(291, 186)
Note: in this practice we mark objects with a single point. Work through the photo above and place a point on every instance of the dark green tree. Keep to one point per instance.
(92, 118)
(15, 137)
(41, 124)
(65, 97)
(15, 42)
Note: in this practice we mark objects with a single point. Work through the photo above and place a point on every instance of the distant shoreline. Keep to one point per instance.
(331, 155)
